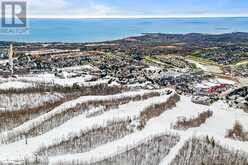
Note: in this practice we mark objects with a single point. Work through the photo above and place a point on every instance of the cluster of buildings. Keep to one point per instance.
(240, 71)
(23, 62)
(204, 87)
(211, 90)
(238, 98)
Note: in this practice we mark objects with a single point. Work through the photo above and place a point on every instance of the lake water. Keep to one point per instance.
(89, 30)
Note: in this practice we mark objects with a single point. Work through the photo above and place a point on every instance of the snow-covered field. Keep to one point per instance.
(26, 81)
(27, 148)
(14, 85)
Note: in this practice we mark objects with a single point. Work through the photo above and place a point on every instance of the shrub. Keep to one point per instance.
(193, 122)
(237, 132)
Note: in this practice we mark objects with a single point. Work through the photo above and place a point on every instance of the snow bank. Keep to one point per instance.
(52, 79)
(225, 81)
(15, 85)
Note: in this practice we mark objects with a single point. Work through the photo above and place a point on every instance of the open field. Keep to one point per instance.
(206, 66)
(201, 60)
(245, 62)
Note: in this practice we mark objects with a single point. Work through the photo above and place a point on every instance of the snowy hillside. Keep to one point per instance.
(128, 127)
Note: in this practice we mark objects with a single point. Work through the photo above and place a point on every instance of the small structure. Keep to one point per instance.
(11, 53)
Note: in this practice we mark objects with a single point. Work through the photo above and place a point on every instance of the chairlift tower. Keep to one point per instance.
(11, 53)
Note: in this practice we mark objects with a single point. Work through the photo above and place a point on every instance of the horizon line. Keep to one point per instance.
(137, 17)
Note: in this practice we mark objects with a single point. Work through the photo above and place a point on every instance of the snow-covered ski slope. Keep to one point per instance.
(90, 132)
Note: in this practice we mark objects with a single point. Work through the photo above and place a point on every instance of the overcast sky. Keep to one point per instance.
(137, 8)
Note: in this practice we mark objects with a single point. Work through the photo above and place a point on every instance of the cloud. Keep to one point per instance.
(66, 8)
(135, 8)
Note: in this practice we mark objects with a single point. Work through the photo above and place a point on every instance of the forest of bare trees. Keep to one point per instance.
(208, 152)
(183, 123)
(149, 152)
